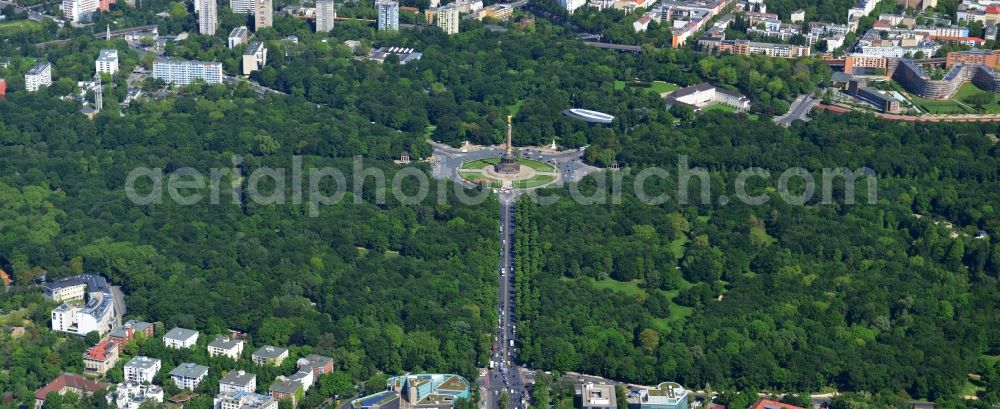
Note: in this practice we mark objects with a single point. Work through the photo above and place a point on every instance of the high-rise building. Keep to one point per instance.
(184, 72)
(39, 75)
(262, 14)
(105, 5)
(208, 17)
(79, 10)
(447, 19)
(388, 15)
(326, 12)
(241, 6)
(572, 5)
(107, 62)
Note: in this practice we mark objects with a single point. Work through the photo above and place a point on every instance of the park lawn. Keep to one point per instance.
(619, 85)
(946, 106)
(514, 109)
(536, 165)
(19, 26)
(969, 89)
(660, 87)
(719, 107)
(429, 131)
(479, 164)
(677, 247)
(534, 181)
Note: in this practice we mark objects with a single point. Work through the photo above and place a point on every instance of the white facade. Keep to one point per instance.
(188, 375)
(131, 395)
(142, 369)
(184, 72)
(243, 400)
(180, 337)
(79, 10)
(326, 13)
(388, 15)
(236, 37)
(238, 381)
(241, 6)
(208, 17)
(107, 62)
(38, 76)
(447, 19)
(232, 348)
(572, 5)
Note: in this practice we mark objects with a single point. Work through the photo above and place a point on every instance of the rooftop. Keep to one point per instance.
(227, 343)
(101, 351)
(268, 351)
(108, 55)
(313, 360)
(253, 47)
(771, 404)
(69, 380)
(189, 370)
(240, 378)
(143, 362)
(180, 334)
(284, 385)
(38, 68)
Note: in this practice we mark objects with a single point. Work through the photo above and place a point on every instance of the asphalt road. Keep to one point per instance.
(798, 111)
(505, 374)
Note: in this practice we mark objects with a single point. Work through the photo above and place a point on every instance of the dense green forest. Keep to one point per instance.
(379, 287)
(779, 297)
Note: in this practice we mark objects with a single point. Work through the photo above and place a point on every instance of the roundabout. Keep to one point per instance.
(530, 173)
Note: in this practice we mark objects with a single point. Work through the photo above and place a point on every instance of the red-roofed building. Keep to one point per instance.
(3, 274)
(410, 9)
(68, 382)
(772, 404)
(3, 91)
(101, 357)
(970, 41)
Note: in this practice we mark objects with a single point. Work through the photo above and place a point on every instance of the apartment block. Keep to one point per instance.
(142, 369)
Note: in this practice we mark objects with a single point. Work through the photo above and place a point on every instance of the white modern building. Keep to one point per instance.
(107, 62)
(243, 400)
(180, 338)
(188, 375)
(241, 6)
(236, 381)
(326, 13)
(667, 395)
(38, 76)
(703, 95)
(88, 302)
(447, 19)
(238, 36)
(388, 15)
(78, 11)
(254, 58)
(226, 346)
(572, 5)
(132, 395)
(182, 72)
(208, 17)
(142, 369)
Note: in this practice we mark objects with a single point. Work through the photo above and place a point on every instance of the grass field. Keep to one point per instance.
(677, 247)
(969, 89)
(719, 107)
(946, 106)
(677, 312)
(479, 164)
(660, 87)
(19, 26)
(539, 166)
(534, 181)
(657, 87)
(429, 131)
(514, 109)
